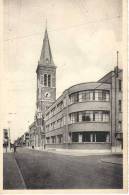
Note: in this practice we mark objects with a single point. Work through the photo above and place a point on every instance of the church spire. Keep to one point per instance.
(46, 55)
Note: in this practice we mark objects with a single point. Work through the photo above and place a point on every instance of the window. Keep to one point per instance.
(97, 116)
(74, 117)
(45, 80)
(49, 80)
(119, 105)
(105, 95)
(87, 116)
(74, 98)
(120, 85)
(59, 139)
(91, 136)
(75, 137)
(106, 116)
(90, 116)
(101, 136)
(53, 139)
(86, 137)
(120, 125)
(53, 111)
(48, 140)
(60, 106)
(90, 95)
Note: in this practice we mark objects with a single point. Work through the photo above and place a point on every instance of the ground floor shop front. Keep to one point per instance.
(90, 140)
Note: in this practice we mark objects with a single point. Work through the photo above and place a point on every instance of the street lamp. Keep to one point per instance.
(9, 122)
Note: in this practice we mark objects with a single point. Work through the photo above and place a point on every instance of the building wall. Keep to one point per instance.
(115, 78)
(88, 146)
(53, 114)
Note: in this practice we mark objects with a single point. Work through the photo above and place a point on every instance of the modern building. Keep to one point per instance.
(85, 116)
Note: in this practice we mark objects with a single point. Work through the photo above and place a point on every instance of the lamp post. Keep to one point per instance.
(9, 133)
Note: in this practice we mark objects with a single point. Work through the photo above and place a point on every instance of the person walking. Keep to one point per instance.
(14, 147)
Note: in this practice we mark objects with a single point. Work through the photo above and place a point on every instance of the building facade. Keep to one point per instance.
(46, 92)
(85, 116)
(6, 139)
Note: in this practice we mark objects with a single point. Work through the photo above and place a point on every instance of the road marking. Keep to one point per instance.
(21, 176)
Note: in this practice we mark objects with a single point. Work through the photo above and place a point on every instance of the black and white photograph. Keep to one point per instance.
(64, 102)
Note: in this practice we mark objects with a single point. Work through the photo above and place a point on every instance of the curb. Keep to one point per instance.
(21, 177)
(112, 162)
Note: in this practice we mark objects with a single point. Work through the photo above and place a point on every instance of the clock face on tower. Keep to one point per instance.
(47, 95)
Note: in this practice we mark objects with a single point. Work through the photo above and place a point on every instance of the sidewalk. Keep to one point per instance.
(12, 178)
(76, 152)
(111, 157)
(115, 159)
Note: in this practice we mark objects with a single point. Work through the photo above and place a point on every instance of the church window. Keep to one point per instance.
(45, 80)
(49, 80)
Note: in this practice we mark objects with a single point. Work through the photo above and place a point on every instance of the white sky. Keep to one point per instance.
(84, 37)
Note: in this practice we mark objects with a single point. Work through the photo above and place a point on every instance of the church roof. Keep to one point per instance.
(46, 55)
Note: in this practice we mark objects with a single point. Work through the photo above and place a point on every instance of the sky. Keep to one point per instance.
(84, 37)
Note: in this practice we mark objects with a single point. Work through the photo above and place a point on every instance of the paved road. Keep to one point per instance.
(45, 170)
(12, 176)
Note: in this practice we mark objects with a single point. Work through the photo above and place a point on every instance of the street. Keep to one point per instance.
(46, 170)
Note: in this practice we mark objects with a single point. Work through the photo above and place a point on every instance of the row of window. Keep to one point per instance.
(90, 116)
(83, 116)
(90, 95)
(56, 124)
(90, 137)
(55, 139)
(45, 80)
(102, 116)
(81, 137)
(56, 109)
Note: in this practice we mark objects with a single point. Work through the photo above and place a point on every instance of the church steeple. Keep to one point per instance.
(46, 55)
(46, 77)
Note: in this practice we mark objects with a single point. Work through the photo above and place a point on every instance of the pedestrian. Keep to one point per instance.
(14, 147)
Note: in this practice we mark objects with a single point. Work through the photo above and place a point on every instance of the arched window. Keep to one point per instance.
(49, 80)
(45, 79)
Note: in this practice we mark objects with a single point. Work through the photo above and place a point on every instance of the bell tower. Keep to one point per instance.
(46, 78)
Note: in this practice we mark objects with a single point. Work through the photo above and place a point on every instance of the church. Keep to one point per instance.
(86, 116)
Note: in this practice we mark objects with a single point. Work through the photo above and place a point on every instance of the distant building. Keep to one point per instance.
(32, 133)
(85, 116)
(6, 139)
